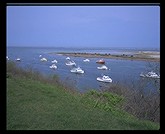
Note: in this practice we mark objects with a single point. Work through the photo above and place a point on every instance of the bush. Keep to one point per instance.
(143, 106)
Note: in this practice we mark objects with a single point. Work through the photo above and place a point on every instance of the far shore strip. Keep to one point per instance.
(142, 55)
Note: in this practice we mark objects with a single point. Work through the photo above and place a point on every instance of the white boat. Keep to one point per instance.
(142, 75)
(43, 59)
(104, 78)
(7, 57)
(54, 61)
(40, 55)
(67, 58)
(53, 66)
(86, 60)
(70, 63)
(77, 70)
(103, 67)
(150, 75)
(18, 59)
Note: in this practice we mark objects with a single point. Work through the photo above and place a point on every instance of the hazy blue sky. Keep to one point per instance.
(86, 26)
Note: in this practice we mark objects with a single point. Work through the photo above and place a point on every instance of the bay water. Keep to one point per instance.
(121, 71)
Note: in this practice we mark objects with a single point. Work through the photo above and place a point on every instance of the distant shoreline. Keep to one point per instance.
(141, 55)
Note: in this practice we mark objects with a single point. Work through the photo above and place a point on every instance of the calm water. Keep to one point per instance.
(121, 71)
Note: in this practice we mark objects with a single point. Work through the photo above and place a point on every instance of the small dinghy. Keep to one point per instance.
(18, 59)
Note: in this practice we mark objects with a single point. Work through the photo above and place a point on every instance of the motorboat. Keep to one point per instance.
(77, 70)
(18, 59)
(54, 61)
(101, 61)
(43, 59)
(53, 66)
(86, 60)
(70, 63)
(40, 55)
(103, 67)
(67, 58)
(150, 75)
(104, 78)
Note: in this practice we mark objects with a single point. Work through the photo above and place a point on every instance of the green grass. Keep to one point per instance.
(35, 105)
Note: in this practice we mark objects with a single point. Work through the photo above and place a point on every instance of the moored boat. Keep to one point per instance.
(150, 75)
(43, 59)
(101, 61)
(67, 58)
(18, 59)
(103, 67)
(54, 61)
(104, 78)
(53, 66)
(7, 57)
(86, 60)
(70, 63)
(77, 70)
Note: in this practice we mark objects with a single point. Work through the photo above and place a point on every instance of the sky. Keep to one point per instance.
(83, 26)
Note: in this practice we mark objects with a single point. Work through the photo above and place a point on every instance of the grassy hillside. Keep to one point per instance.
(33, 104)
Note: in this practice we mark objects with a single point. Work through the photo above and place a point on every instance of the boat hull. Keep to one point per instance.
(100, 62)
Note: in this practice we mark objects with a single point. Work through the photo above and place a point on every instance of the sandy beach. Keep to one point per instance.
(141, 55)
